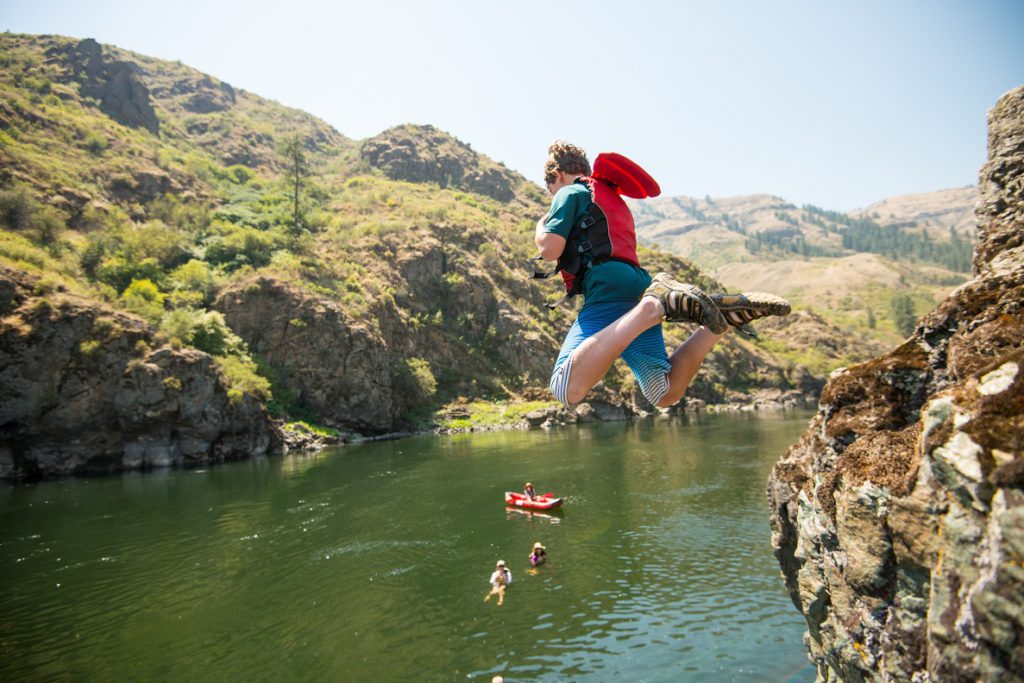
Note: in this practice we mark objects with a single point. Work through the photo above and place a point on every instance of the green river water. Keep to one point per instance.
(370, 563)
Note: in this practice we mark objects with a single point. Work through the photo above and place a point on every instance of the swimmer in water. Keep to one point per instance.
(500, 579)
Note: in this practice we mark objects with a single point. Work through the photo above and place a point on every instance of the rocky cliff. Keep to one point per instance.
(425, 154)
(898, 518)
(85, 389)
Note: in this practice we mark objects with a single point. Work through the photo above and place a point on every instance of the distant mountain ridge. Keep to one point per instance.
(848, 266)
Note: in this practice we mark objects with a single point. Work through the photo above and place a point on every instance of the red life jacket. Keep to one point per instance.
(606, 232)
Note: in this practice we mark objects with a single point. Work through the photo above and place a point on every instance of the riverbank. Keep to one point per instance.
(482, 416)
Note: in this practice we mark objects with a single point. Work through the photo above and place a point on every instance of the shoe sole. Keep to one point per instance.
(761, 303)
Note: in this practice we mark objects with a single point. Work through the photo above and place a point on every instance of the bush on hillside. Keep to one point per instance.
(21, 211)
(97, 219)
(237, 245)
(145, 299)
(903, 314)
(158, 241)
(119, 272)
(414, 382)
(239, 174)
(243, 377)
(192, 217)
(95, 143)
(194, 276)
(205, 330)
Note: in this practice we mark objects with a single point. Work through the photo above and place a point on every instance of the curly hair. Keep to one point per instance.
(565, 156)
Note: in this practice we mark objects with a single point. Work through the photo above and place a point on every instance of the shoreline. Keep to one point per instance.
(297, 439)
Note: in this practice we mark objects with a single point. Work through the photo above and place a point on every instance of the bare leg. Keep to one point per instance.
(594, 357)
(686, 360)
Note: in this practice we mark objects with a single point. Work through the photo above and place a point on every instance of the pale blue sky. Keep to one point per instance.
(832, 103)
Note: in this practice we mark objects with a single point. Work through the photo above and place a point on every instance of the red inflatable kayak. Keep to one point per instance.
(520, 500)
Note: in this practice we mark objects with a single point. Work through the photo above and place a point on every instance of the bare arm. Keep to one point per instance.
(550, 244)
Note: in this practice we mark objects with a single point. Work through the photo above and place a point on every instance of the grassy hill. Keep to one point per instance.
(856, 270)
(368, 285)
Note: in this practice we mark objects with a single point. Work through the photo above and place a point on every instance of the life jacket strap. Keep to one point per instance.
(538, 273)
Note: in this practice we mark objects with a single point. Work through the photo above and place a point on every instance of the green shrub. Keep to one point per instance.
(144, 298)
(95, 219)
(155, 240)
(119, 272)
(46, 284)
(48, 223)
(172, 383)
(16, 208)
(242, 376)
(903, 314)
(238, 245)
(37, 84)
(213, 335)
(205, 330)
(95, 143)
(89, 348)
(193, 217)
(179, 323)
(194, 276)
(414, 382)
(240, 174)
(183, 298)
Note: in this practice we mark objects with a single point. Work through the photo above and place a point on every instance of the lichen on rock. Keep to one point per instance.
(898, 518)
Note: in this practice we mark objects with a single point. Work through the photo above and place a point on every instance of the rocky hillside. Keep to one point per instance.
(324, 284)
(424, 154)
(847, 267)
(88, 388)
(898, 518)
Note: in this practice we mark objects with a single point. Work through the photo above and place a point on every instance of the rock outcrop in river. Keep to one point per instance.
(898, 518)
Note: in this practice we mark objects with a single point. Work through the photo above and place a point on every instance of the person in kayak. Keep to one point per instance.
(529, 491)
(500, 579)
(539, 554)
(623, 305)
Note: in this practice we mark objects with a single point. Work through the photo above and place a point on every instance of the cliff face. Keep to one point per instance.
(424, 154)
(898, 518)
(85, 389)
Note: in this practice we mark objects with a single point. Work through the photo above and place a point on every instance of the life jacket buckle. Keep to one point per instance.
(539, 274)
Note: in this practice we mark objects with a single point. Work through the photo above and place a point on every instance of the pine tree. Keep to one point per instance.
(903, 314)
(294, 151)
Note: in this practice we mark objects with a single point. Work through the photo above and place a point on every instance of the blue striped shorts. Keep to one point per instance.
(646, 355)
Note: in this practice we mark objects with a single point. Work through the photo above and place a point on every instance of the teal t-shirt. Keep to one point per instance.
(608, 281)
